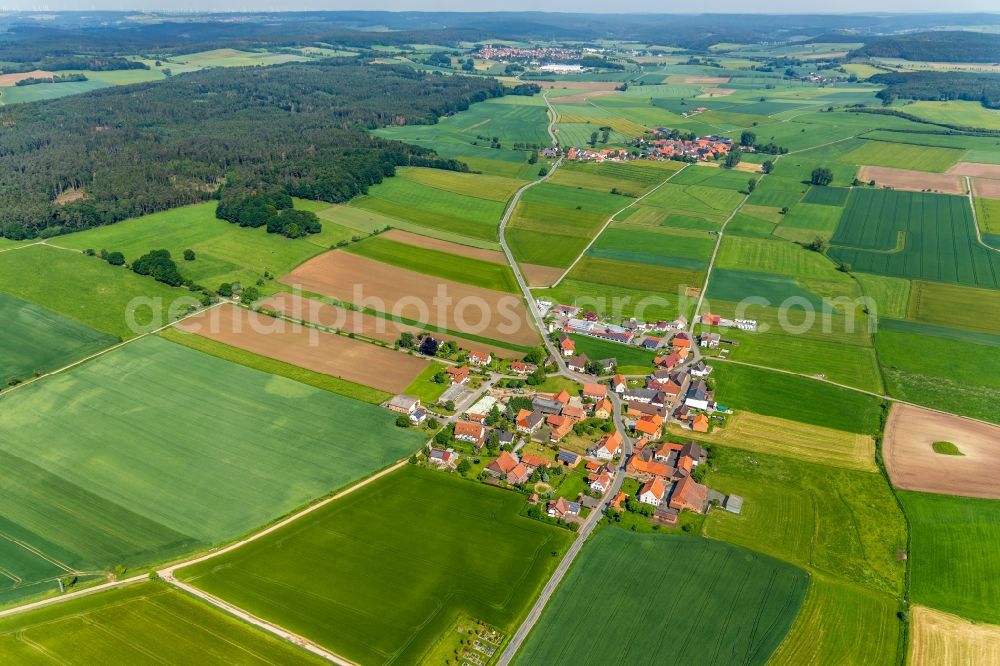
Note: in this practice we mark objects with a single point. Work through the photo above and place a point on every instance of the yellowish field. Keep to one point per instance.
(792, 439)
(626, 127)
(957, 306)
(494, 188)
(939, 639)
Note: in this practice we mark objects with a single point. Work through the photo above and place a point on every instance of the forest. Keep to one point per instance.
(970, 86)
(139, 149)
(938, 46)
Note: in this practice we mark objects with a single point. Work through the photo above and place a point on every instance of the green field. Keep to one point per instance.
(34, 340)
(43, 91)
(844, 527)
(382, 574)
(699, 602)
(951, 305)
(234, 58)
(138, 624)
(955, 112)
(444, 265)
(155, 450)
(653, 246)
(954, 554)
(424, 387)
(417, 203)
(224, 252)
(988, 215)
(939, 239)
(795, 398)
(903, 156)
(631, 359)
(89, 290)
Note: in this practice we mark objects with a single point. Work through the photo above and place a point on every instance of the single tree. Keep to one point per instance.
(189, 255)
(751, 185)
(747, 138)
(767, 166)
(116, 258)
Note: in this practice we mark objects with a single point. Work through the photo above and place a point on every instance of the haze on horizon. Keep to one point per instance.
(569, 6)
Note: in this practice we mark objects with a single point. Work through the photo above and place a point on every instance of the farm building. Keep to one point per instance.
(733, 504)
(403, 404)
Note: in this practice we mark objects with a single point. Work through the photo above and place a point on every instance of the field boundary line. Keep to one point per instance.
(608, 223)
(32, 380)
(975, 217)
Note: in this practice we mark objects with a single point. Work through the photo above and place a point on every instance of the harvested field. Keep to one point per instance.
(365, 325)
(912, 463)
(698, 79)
(428, 243)
(720, 92)
(976, 170)
(403, 293)
(942, 638)
(914, 181)
(986, 188)
(579, 85)
(540, 276)
(792, 439)
(8, 80)
(328, 353)
(583, 97)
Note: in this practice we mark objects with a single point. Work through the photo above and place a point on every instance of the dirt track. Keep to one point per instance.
(913, 465)
(913, 181)
(940, 638)
(359, 323)
(396, 291)
(335, 355)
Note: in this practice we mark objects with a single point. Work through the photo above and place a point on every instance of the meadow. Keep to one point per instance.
(955, 112)
(90, 291)
(631, 359)
(444, 265)
(653, 246)
(951, 305)
(738, 614)
(34, 340)
(224, 252)
(147, 459)
(141, 623)
(467, 554)
(938, 232)
(954, 557)
(796, 398)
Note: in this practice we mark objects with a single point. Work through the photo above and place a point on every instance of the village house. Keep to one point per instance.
(567, 458)
(607, 364)
(668, 362)
(403, 404)
(697, 395)
(650, 426)
(534, 461)
(681, 341)
(459, 375)
(522, 368)
(505, 438)
(546, 405)
(650, 343)
(578, 363)
(503, 465)
(637, 410)
(445, 459)
(699, 369)
(601, 480)
(699, 423)
(468, 431)
(619, 384)
(689, 495)
(645, 470)
(520, 474)
(574, 412)
(653, 492)
(668, 453)
(529, 421)
(710, 319)
(565, 310)
(418, 416)
(694, 451)
(603, 409)
(480, 358)
(595, 391)
(709, 340)
(607, 447)
(566, 345)
(563, 509)
(560, 425)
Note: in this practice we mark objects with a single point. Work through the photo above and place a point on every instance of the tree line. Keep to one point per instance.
(943, 86)
(298, 128)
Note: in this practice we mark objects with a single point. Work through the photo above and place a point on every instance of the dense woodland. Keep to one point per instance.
(139, 149)
(970, 86)
(938, 46)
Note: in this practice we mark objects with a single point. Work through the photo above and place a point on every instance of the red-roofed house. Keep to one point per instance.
(643, 470)
(503, 465)
(459, 375)
(566, 344)
(575, 413)
(519, 474)
(595, 391)
(651, 426)
(699, 423)
(681, 341)
(480, 358)
(522, 368)
(528, 421)
(562, 398)
(653, 492)
(561, 426)
(619, 383)
(532, 460)
(689, 495)
(467, 431)
(607, 447)
(601, 481)
(604, 409)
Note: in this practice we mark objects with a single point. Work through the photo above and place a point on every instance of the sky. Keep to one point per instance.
(645, 6)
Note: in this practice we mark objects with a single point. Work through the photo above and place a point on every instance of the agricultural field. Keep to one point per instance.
(913, 181)
(442, 264)
(913, 437)
(85, 289)
(953, 554)
(938, 638)
(408, 295)
(400, 614)
(135, 623)
(233, 58)
(796, 398)
(739, 614)
(34, 340)
(988, 216)
(904, 156)
(631, 359)
(290, 342)
(126, 478)
(224, 252)
(955, 112)
(967, 308)
(902, 234)
(630, 302)
(792, 439)
(652, 246)
(633, 178)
